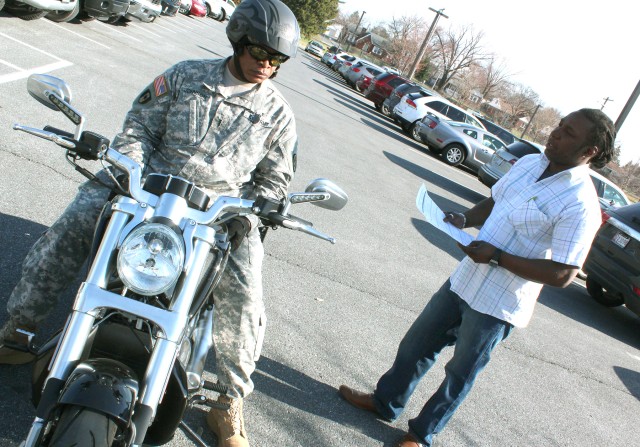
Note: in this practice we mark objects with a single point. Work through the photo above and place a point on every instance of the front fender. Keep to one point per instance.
(104, 385)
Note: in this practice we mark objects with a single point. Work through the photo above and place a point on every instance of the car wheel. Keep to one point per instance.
(385, 110)
(414, 130)
(598, 293)
(64, 16)
(377, 106)
(220, 17)
(454, 155)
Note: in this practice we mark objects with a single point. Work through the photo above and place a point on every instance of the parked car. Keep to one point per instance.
(341, 59)
(220, 10)
(399, 92)
(363, 83)
(109, 11)
(315, 48)
(613, 264)
(503, 159)
(61, 11)
(498, 131)
(331, 51)
(391, 70)
(185, 7)
(170, 7)
(381, 87)
(413, 107)
(145, 10)
(359, 70)
(336, 57)
(198, 8)
(457, 143)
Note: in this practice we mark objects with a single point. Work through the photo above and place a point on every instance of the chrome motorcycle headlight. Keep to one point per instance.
(151, 259)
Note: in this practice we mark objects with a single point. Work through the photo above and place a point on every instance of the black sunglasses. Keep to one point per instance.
(260, 54)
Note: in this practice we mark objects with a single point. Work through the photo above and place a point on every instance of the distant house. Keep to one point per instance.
(333, 31)
(349, 34)
(371, 43)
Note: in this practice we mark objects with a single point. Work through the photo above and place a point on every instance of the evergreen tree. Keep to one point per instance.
(312, 15)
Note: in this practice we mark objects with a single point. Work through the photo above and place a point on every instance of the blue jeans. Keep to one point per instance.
(445, 321)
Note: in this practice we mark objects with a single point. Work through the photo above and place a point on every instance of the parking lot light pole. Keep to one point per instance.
(423, 47)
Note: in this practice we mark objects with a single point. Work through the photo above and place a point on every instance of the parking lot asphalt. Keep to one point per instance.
(336, 312)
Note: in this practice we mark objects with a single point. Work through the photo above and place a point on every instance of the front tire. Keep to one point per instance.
(454, 155)
(598, 293)
(64, 16)
(79, 426)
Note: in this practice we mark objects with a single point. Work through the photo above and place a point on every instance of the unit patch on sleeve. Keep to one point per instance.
(160, 86)
(145, 97)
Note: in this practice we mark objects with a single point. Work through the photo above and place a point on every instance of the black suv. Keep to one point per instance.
(498, 131)
(613, 264)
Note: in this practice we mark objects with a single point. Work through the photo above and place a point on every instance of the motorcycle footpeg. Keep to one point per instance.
(214, 386)
(199, 399)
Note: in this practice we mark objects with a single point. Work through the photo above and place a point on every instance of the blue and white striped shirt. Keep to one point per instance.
(554, 218)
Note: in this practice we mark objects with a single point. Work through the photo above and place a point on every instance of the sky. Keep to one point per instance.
(572, 53)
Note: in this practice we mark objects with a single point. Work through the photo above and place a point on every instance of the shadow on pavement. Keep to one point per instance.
(575, 303)
(442, 182)
(630, 379)
(300, 391)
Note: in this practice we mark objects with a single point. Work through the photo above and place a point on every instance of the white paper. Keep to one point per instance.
(435, 216)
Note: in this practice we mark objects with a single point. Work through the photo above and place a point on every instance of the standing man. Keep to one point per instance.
(537, 228)
(224, 126)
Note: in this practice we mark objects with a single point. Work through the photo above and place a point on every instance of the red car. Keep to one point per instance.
(363, 83)
(381, 87)
(198, 8)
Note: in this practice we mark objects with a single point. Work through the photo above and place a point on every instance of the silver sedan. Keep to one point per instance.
(457, 143)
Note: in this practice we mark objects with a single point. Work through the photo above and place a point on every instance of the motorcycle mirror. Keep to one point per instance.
(40, 87)
(337, 197)
(55, 94)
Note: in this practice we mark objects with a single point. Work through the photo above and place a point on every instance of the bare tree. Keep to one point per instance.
(545, 121)
(456, 50)
(494, 74)
(406, 34)
(521, 100)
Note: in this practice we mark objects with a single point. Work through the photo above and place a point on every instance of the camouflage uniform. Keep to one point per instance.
(184, 124)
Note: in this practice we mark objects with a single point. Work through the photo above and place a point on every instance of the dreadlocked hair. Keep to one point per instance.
(602, 135)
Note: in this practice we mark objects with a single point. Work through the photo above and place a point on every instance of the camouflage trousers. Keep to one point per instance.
(56, 258)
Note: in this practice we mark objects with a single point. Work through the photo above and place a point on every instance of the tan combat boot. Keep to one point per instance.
(15, 341)
(228, 425)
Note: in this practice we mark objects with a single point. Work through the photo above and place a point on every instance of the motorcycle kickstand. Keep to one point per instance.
(195, 437)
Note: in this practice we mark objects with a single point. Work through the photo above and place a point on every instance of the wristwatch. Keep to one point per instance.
(495, 259)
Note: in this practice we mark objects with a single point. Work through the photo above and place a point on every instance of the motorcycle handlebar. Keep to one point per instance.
(98, 148)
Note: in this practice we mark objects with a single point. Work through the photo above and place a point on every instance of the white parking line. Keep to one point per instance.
(111, 28)
(9, 64)
(79, 35)
(163, 27)
(41, 69)
(143, 28)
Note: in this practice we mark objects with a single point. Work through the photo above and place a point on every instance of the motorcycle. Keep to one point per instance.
(131, 357)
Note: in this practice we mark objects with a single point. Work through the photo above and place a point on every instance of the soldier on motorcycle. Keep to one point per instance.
(224, 126)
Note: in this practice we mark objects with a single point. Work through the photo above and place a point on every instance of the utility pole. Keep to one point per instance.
(423, 47)
(530, 121)
(356, 31)
(606, 100)
(627, 107)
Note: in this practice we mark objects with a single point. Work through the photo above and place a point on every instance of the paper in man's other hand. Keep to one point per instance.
(435, 217)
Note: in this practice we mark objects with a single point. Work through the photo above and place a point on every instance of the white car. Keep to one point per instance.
(413, 107)
(315, 48)
(220, 10)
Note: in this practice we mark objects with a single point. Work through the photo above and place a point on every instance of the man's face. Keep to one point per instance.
(257, 71)
(567, 144)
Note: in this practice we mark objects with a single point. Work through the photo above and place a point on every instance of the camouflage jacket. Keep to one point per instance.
(182, 124)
